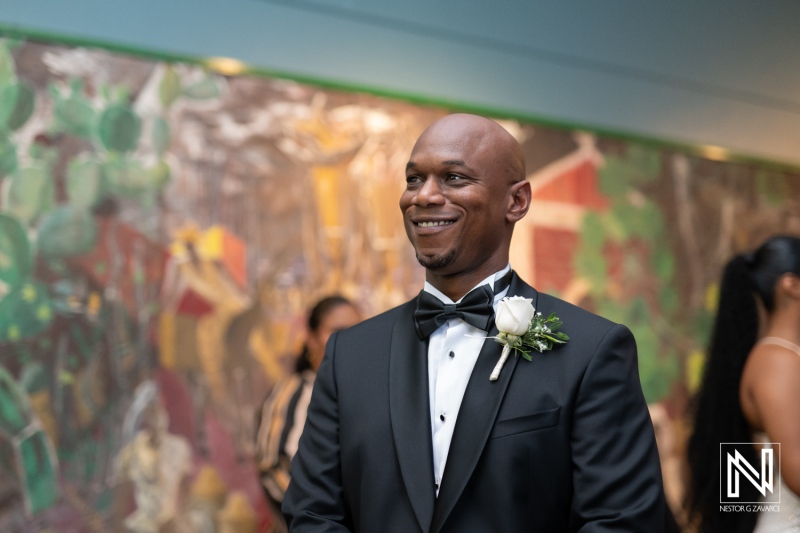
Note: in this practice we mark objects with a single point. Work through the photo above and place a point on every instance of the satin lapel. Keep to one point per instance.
(476, 417)
(410, 415)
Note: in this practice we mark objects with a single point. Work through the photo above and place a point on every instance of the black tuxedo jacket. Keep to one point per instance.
(563, 443)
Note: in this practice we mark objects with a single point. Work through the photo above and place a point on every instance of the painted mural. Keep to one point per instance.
(163, 229)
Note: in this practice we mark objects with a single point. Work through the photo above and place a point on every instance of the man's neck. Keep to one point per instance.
(455, 286)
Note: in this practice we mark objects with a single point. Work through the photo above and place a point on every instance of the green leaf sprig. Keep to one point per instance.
(542, 335)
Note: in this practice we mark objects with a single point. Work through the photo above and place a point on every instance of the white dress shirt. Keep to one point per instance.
(453, 350)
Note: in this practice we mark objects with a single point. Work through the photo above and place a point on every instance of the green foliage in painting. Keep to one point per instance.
(31, 191)
(39, 474)
(16, 261)
(63, 151)
(620, 173)
(615, 227)
(642, 220)
(657, 370)
(772, 186)
(613, 310)
(589, 262)
(592, 232)
(14, 409)
(627, 242)
(129, 178)
(7, 75)
(84, 181)
(662, 262)
(161, 136)
(72, 111)
(160, 175)
(67, 231)
(125, 177)
(8, 155)
(657, 374)
(34, 377)
(205, 89)
(702, 325)
(17, 102)
(25, 312)
(119, 128)
(170, 88)
(668, 300)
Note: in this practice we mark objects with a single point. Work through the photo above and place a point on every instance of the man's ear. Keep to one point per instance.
(519, 201)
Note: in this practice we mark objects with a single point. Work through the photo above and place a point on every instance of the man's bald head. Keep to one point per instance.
(465, 190)
(482, 134)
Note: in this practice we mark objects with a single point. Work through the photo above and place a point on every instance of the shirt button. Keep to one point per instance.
(442, 416)
(452, 354)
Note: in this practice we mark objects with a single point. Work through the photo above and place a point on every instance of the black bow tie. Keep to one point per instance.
(475, 308)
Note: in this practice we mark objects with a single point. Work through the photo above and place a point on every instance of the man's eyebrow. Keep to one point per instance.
(459, 163)
(448, 162)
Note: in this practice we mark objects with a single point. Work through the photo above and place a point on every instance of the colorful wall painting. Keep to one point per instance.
(164, 227)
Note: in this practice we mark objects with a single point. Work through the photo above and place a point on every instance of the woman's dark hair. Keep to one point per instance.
(717, 413)
(315, 318)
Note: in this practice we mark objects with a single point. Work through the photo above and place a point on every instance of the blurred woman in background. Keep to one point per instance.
(751, 388)
(283, 414)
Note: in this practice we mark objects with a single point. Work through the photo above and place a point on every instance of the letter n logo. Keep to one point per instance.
(735, 469)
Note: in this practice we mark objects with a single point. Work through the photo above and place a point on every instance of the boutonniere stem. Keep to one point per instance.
(522, 329)
(499, 366)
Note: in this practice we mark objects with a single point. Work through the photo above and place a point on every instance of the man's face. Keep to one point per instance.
(454, 204)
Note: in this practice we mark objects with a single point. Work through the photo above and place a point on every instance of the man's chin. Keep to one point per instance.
(437, 261)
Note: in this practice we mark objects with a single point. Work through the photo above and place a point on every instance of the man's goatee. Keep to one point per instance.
(437, 261)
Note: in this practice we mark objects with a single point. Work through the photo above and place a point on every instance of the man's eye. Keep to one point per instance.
(412, 179)
(454, 177)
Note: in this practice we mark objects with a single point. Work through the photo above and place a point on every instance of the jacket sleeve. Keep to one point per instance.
(315, 498)
(616, 469)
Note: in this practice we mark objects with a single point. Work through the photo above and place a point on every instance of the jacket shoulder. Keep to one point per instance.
(575, 319)
(380, 324)
(571, 315)
(552, 304)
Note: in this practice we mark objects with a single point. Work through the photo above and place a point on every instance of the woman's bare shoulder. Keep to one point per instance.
(770, 381)
(772, 361)
(773, 388)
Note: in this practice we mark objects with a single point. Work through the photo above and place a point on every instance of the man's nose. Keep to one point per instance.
(430, 193)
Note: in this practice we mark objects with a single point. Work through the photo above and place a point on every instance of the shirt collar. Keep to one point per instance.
(487, 281)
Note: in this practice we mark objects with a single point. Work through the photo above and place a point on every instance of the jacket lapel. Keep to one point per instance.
(410, 415)
(476, 417)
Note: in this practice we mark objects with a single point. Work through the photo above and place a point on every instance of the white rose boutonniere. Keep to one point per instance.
(522, 329)
(514, 315)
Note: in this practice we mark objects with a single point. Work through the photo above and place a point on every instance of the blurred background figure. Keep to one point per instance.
(751, 387)
(153, 466)
(283, 414)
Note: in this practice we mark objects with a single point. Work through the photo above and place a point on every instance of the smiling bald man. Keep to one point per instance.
(405, 430)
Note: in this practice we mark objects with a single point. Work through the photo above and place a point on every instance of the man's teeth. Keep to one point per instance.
(431, 224)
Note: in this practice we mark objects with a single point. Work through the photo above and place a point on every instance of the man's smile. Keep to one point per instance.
(428, 226)
(435, 223)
